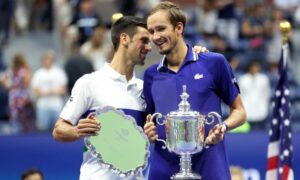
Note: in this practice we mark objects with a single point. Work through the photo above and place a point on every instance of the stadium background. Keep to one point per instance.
(19, 152)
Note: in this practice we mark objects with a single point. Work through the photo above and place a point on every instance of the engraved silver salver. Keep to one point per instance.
(121, 145)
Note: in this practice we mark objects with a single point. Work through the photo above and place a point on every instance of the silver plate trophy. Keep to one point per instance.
(121, 145)
(185, 134)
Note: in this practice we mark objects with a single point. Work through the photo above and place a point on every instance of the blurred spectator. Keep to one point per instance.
(3, 103)
(63, 17)
(276, 39)
(297, 17)
(236, 173)
(22, 13)
(97, 49)
(207, 17)
(85, 21)
(32, 174)
(255, 92)
(41, 15)
(256, 29)
(256, 23)
(143, 7)
(49, 86)
(17, 81)
(289, 8)
(128, 7)
(228, 25)
(201, 22)
(6, 15)
(77, 65)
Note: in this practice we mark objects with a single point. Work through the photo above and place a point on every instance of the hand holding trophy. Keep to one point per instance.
(185, 134)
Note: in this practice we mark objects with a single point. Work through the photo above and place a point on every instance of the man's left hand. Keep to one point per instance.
(216, 134)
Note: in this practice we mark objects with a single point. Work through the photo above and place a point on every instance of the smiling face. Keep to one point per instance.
(139, 46)
(163, 34)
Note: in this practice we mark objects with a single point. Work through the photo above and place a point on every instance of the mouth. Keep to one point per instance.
(160, 43)
(143, 55)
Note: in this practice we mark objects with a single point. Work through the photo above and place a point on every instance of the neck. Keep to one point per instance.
(122, 65)
(177, 55)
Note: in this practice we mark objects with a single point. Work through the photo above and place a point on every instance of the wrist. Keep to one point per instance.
(226, 126)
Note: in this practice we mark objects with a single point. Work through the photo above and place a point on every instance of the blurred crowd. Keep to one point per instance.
(245, 31)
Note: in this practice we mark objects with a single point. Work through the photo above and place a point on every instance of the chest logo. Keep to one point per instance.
(198, 76)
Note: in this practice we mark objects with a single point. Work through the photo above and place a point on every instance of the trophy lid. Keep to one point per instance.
(184, 106)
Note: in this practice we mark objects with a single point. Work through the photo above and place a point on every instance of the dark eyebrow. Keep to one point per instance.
(150, 31)
(160, 26)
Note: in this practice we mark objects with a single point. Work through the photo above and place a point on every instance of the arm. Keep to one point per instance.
(64, 131)
(236, 118)
(237, 115)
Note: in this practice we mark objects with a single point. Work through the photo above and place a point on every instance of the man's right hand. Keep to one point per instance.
(150, 129)
(89, 126)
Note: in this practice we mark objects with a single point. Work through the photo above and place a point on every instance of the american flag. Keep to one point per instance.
(279, 163)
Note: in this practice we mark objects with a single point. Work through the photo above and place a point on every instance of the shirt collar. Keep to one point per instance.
(190, 56)
(117, 76)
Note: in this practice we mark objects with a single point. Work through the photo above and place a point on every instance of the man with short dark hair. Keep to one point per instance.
(113, 85)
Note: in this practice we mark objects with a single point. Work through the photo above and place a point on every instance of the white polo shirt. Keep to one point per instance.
(105, 87)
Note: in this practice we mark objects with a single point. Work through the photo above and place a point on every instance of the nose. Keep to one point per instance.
(148, 47)
(155, 36)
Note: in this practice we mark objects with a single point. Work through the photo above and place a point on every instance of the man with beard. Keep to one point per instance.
(209, 79)
(113, 85)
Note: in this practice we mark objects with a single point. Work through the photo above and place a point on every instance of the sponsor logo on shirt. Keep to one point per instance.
(198, 76)
(234, 80)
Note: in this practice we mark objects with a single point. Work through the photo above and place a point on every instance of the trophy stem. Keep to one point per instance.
(186, 168)
(185, 163)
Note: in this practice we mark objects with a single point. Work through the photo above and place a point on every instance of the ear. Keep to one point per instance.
(124, 39)
(179, 28)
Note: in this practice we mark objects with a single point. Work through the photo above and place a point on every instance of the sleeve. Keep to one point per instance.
(148, 79)
(227, 87)
(78, 102)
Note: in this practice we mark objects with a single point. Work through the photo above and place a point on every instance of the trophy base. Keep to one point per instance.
(182, 175)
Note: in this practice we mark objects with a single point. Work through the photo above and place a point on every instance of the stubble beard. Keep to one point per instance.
(169, 49)
(165, 52)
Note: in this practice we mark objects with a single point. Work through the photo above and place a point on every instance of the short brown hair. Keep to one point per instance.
(19, 61)
(128, 25)
(175, 13)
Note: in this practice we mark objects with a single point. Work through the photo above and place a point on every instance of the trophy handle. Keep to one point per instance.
(212, 116)
(156, 117)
